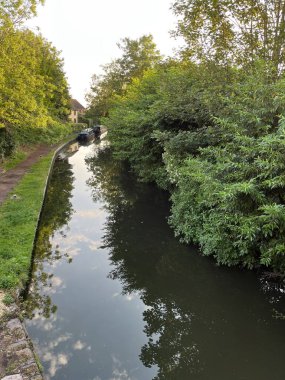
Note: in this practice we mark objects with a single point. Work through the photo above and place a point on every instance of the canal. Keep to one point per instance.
(115, 296)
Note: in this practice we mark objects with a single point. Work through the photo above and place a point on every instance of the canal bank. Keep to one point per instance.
(19, 216)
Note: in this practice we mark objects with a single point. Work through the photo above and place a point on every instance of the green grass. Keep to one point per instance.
(8, 299)
(17, 157)
(18, 223)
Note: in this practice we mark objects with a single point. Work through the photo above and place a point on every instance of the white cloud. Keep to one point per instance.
(56, 362)
(79, 345)
(118, 372)
(56, 281)
(130, 297)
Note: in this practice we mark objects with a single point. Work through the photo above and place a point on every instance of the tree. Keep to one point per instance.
(233, 31)
(16, 11)
(33, 87)
(57, 90)
(103, 88)
(137, 56)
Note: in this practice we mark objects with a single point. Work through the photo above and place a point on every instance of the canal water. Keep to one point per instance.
(115, 296)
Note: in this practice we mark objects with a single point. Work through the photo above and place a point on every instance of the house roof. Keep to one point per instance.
(75, 105)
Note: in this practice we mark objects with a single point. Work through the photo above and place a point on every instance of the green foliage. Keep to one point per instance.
(169, 105)
(211, 129)
(214, 137)
(16, 11)
(53, 134)
(82, 119)
(77, 127)
(228, 31)
(230, 200)
(33, 88)
(18, 156)
(57, 97)
(7, 143)
(137, 56)
(18, 222)
(131, 138)
(13, 144)
(8, 299)
(228, 196)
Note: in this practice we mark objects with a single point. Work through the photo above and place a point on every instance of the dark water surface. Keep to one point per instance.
(114, 296)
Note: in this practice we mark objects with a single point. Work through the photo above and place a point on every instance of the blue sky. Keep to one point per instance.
(87, 31)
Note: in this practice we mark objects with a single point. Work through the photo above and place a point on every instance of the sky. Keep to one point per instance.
(86, 32)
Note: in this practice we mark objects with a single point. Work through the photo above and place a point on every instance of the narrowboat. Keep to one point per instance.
(97, 130)
(86, 135)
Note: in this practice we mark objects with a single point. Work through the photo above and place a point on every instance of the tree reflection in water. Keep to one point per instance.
(198, 318)
(57, 211)
(134, 238)
(111, 180)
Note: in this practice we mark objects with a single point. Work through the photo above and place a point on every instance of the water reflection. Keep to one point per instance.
(57, 211)
(274, 290)
(111, 182)
(202, 322)
(135, 298)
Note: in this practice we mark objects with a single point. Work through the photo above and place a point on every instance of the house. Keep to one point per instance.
(76, 109)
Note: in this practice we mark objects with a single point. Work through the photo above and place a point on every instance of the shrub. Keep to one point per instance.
(7, 143)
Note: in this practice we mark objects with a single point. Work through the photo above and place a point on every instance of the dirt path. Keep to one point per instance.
(11, 178)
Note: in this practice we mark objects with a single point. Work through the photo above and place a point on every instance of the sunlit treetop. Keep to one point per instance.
(228, 31)
(16, 11)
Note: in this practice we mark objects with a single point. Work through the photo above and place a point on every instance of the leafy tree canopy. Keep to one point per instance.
(16, 11)
(233, 31)
(210, 127)
(137, 56)
(34, 93)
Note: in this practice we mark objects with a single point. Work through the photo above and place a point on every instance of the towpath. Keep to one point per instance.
(10, 179)
(15, 346)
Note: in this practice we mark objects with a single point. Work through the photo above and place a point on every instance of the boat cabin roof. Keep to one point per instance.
(86, 131)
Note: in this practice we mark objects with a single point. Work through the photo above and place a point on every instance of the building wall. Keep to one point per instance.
(73, 116)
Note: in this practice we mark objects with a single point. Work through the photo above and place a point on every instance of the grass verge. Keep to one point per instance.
(18, 223)
(17, 157)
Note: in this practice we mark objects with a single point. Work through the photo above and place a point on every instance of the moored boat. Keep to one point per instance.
(86, 135)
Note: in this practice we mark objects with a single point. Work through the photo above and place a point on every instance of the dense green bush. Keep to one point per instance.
(131, 124)
(10, 140)
(156, 109)
(77, 127)
(215, 137)
(7, 143)
(49, 135)
(230, 200)
(209, 127)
